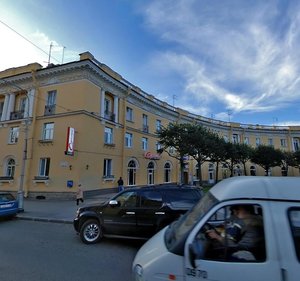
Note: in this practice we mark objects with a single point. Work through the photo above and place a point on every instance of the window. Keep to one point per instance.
(128, 139)
(246, 140)
(1, 108)
(107, 106)
(144, 143)
(51, 99)
(22, 104)
(131, 172)
(235, 138)
(48, 131)
(129, 114)
(238, 226)
(296, 144)
(145, 123)
(270, 142)
(158, 146)
(252, 171)
(127, 199)
(44, 167)
(283, 142)
(107, 168)
(294, 216)
(158, 125)
(108, 135)
(151, 199)
(13, 135)
(10, 168)
(257, 142)
(167, 172)
(150, 170)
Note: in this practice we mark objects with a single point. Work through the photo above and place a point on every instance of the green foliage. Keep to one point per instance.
(267, 157)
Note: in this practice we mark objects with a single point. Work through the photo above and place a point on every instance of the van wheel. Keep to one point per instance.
(91, 232)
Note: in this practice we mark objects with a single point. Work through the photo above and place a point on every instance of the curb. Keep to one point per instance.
(45, 220)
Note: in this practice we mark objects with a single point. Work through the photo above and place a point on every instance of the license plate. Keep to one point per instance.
(6, 206)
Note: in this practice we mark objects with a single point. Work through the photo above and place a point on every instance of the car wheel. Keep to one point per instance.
(91, 232)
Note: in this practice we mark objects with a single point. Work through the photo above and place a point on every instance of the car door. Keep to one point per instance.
(150, 213)
(120, 218)
(287, 216)
(206, 267)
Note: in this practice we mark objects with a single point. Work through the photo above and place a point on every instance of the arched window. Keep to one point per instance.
(252, 171)
(150, 170)
(167, 172)
(131, 172)
(10, 168)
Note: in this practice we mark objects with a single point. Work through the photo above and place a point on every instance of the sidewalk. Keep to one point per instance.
(60, 211)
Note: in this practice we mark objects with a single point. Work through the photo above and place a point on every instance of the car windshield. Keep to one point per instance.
(6, 197)
(177, 232)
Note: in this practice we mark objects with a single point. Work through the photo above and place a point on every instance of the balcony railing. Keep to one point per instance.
(49, 109)
(17, 115)
(109, 115)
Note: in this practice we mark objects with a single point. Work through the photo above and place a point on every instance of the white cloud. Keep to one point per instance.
(235, 54)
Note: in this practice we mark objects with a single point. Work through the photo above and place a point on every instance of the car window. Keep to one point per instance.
(127, 199)
(233, 233)
(6, 197)
(183, 195)
(294, 216)
(151, 198)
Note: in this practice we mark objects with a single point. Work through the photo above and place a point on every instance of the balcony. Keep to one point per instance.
(109, 116)
(145, 128)
(50, 109)
(17, 115)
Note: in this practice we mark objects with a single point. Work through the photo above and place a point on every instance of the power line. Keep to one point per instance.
(28, 40)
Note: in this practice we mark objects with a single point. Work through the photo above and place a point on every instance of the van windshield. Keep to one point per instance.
(178, 231)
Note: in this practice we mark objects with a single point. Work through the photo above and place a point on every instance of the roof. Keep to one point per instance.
(252, 187)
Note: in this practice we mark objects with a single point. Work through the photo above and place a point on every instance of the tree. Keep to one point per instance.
(267, 157)
(175, 136)
(218, 152)
(238, 153)
(200, 140)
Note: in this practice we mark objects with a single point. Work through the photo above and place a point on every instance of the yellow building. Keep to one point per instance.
(81, 122)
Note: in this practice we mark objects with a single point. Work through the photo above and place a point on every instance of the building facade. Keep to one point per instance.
(81, 122)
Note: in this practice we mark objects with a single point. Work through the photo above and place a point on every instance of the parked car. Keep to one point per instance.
(8, 205)
(135, 213)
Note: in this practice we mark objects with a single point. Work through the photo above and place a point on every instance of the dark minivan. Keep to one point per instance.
(135, 213)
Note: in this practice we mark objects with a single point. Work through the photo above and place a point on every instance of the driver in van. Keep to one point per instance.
(243, 236)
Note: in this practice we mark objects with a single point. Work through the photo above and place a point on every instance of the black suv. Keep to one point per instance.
(135, 212)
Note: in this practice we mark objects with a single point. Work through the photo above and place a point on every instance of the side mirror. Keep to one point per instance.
(113, 203)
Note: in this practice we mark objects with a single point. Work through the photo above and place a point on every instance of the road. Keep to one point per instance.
(43, 251)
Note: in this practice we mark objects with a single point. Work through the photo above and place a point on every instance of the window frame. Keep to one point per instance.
(128, 140)
(108, 135)
(14, 133)
(48, 133)
(44, 167)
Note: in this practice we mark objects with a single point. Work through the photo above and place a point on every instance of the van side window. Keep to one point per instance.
(234, 233)
(294, 217)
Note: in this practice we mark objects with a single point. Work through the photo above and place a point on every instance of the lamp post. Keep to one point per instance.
(22, 175)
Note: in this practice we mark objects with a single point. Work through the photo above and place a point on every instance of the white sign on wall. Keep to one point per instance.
(70, 141)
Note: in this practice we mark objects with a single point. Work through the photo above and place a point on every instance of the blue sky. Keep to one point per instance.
(236, 60)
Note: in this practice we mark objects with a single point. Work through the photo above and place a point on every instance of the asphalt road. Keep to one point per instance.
(43, 251)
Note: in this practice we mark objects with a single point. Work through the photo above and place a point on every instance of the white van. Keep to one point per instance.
(184, 251)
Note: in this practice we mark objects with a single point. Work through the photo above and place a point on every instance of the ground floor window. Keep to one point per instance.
(44, 167)
(131, 173)
(150, 171)
(10, 169)
(167, 172)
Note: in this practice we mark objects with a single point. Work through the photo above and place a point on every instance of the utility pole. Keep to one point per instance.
(22, 175)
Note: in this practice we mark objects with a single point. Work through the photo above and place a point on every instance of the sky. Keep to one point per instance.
(231, 60)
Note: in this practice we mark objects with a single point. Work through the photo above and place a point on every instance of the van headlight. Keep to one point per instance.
(138, 273)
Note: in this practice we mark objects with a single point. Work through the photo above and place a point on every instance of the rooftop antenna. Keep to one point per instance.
(174, 98)
(63, 54)
(50, 53)
(229, 112)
